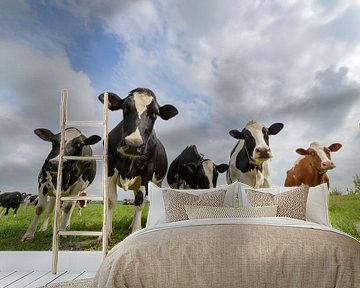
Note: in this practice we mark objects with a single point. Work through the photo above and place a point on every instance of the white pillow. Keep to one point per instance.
(317, 209)
(156, 213)
(201, 212)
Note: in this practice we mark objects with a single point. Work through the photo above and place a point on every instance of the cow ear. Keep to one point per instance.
(44, 134)
(275, 128)
(92, 140)
(302, 151)
(167, 112)
(222, 168)
(335, 147)
(236, 134)
(115, 102)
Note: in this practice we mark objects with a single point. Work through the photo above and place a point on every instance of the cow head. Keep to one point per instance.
(320, 155)
(140, 110)
(256, 140)
(75, 144)
(197, 172)
(82, 203)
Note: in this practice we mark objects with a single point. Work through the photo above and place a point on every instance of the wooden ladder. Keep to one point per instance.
(61, 158)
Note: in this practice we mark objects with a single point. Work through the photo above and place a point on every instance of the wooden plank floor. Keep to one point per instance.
(32, 279)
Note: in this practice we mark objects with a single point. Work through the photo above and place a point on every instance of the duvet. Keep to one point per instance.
(237, 252)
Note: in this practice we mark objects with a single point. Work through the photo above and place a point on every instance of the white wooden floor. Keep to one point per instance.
(33, 269)
(31, 279)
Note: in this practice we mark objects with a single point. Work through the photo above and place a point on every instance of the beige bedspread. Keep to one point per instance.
(232, 254)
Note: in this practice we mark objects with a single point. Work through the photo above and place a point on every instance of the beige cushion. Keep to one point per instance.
(317, 203)
(175, 201)
(290, 203)
(156, 214)
(201, 212)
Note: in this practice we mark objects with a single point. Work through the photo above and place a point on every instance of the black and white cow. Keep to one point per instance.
(248, 160)
(10, 200)
(31, 200)
(136, 155)
(190, 170)
(77, 175)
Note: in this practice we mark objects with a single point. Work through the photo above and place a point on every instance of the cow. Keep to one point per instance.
(311, 167)
(249, 158)
(190, 170)
(80, 204)
(10, 200)
(76, 175)
(136, 155)
(30, 200)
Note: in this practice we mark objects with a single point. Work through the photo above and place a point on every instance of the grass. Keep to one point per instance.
(12, 229)
(344, 214)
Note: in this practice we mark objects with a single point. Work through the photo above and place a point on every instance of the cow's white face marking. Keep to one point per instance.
(319, 149)
(135, 137)
(142, 100)
(71, 133)
(208, 166)
(256, 131)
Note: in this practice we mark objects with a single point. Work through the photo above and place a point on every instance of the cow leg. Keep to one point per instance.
(139, 206)
(49, 212)
(67, 209)
(7, 211)
(40, 207)
(112, 201)
(15, 210)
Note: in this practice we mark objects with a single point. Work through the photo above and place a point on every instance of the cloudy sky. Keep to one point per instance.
(221, 63)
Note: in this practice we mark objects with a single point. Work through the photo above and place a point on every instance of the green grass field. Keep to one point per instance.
(344, 214)
(12, 229)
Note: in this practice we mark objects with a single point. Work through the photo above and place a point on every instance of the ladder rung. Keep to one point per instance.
(94, 157)
(80, 233)
(84, 123)
(89, 197)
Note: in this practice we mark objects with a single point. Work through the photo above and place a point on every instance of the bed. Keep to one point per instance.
(234, 251)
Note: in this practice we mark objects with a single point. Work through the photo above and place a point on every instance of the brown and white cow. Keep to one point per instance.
(311, 167)
(80, 204)
(249, 158)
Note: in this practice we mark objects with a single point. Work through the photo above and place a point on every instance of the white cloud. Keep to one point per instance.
(31, 84)
(220, 63)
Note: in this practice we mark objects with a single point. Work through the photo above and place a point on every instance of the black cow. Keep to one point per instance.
(191, 170)
(10, 200)
(77, 175)
(248, 160)
(136, 155)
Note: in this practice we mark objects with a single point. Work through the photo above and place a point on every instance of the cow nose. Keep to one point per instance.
(133, 147)
(263, 152)
(327, 165)
(141, 148)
